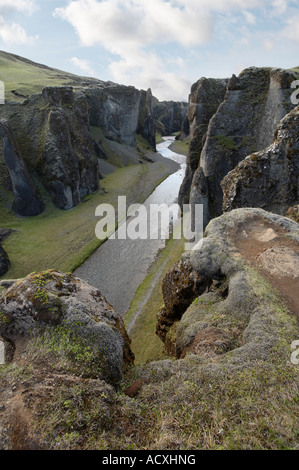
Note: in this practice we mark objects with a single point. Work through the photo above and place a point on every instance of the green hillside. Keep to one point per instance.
(22, 77)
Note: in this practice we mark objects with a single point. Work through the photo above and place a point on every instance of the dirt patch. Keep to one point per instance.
(209, 341)
(267, 247)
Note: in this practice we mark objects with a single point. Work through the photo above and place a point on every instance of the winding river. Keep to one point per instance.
(118, 267)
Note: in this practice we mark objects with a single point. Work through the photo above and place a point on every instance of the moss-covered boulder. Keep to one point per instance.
(64, 320)
(226, 295)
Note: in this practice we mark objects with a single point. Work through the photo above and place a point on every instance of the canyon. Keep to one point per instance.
(142, 347)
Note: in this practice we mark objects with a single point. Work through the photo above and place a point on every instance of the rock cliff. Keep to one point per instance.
(47, 137)
(205, 98)
(211, 300)
(4, 261)
(269, 178)
(244, 123)
(146, 122)
(26, 199)
(169, 115)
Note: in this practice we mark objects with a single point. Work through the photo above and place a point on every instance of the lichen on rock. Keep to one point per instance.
(224, 303)
(60, 317)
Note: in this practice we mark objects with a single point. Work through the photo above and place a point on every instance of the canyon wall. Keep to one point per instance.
(244, 122)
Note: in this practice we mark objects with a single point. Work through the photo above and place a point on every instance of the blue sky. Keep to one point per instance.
(165, 45)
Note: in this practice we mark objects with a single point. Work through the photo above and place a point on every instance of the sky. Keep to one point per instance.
(165, 45)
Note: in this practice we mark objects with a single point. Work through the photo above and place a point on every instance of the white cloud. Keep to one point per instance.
(128, 28)
(269, 45)
(291, 31)
(14, 33)
(146, 70)
(279, 6)
(25, 6)
(83, 65)
(250, 18)
(133, 29)
(11, 32)
(117, 24)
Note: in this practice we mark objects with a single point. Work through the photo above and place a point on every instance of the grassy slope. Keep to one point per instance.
(180, 146)
(27, 78)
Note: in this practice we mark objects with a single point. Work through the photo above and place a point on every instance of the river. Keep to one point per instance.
(118, 267)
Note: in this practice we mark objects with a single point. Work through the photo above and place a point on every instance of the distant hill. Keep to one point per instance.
(22, 77)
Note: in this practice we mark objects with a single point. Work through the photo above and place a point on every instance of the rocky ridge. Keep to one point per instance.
(52, 141)
(169, 116)
(66, 351)
(269, 178)
(243, 123)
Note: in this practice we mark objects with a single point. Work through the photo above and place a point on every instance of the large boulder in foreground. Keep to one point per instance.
(66, 350)
(225, 277)
(68, 322)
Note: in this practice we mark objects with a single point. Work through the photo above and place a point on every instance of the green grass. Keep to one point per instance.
(180, 146)
(62, 240)
(27, 78)
(159, 138)
(147, 302)
(225, 141)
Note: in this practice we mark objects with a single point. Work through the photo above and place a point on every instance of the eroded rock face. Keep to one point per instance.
(69, 322)
(216, 298)
(48, 137)
(52, 133)
(181, 285)
(205, 98)
(146, 122)
(269, 178)
(27, 201)
(244, 123)
(293, 213)
(115, 108)
(170, 115)
(4, 261)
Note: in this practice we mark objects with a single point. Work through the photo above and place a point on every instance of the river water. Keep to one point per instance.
(118, 267)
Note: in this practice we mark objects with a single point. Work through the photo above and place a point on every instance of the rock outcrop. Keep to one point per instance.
(115, 109)
(4, 261)
(211, 297)
(146, 122)
(293, 213)
(63, 316)
(53, 136)
(244, 123)
(169, 115)
(48, 140)
(269, 178)
(26, 199)
(205, 98)
(75, 349)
